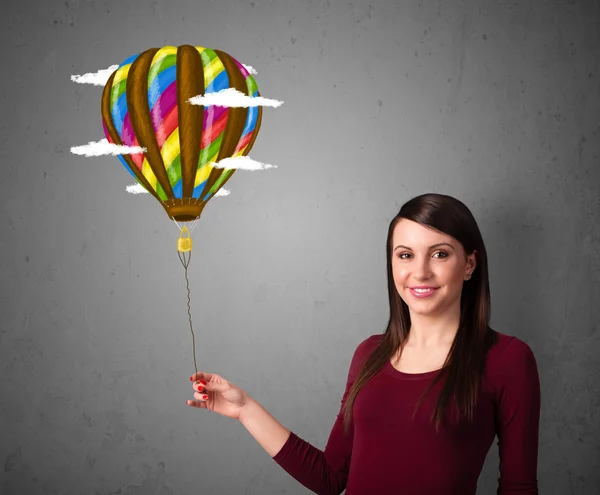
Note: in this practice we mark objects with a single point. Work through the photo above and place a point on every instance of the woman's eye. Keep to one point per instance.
(402, 256)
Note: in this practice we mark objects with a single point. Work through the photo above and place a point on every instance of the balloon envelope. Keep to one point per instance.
(144, 103)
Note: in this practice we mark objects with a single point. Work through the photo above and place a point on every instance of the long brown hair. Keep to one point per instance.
(465, 363)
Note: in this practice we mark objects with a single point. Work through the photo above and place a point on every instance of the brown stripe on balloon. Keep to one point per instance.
(116, 139)
(141, 120)
(236, 119)
(190, 83)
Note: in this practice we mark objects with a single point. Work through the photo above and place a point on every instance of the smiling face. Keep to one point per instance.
(427, 259)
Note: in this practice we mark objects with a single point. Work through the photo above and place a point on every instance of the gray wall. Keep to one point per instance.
(495, 103)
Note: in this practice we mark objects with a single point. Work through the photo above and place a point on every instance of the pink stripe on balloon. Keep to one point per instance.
(129, 139)
(127, 134)
(164, 104)
(242, 68)
(212, 114)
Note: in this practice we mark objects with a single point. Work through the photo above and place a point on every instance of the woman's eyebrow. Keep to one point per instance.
(430, 247)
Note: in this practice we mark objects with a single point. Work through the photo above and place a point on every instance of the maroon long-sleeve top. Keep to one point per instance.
(386, 452)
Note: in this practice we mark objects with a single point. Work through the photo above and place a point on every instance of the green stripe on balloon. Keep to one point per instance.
(207, 153)
(160, 65)
(207, 56)
(222, 178)
(174, 171)
(118, 90)
(252, 86)
(160, 191)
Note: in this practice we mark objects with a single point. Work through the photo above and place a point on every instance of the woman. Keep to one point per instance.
(424, 401)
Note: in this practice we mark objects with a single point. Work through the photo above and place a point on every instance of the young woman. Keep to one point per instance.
(423, 401)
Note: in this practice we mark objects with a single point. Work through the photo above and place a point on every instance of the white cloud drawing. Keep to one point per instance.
(231, 97)
(103, 147)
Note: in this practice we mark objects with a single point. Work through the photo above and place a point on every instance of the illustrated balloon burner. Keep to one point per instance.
(184, 243)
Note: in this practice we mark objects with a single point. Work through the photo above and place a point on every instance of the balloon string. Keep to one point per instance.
(185, 264)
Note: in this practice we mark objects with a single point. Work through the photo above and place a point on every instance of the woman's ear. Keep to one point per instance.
(472, 261)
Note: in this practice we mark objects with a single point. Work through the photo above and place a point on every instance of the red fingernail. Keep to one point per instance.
(191, 378)
(202, 382)
(205, 396)
(200, 389)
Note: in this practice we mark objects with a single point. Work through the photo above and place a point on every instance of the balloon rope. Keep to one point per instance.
(185, 264)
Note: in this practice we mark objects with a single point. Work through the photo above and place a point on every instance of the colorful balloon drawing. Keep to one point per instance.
(157, 102)
(145, 103)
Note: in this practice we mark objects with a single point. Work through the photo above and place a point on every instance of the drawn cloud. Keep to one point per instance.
(231, 97)
(103, 147)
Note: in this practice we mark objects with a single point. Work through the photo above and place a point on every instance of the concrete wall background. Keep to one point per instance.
(496, 103)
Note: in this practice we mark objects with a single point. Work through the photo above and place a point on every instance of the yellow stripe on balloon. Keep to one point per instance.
(170, 148)
(165, 51)
(149, 174)
(121, 74)
(202, 174)
(212, 70)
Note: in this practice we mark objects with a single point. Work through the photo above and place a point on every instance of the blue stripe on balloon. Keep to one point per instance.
(119, 111)
(251, 118)
(161, 82)
(198, 190)
(250, 121)
(130, 60)
(218, 83)
(178, 189)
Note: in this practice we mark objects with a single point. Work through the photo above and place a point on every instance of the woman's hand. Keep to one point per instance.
(213, 392)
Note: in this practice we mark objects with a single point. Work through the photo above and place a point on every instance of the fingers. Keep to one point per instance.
(201, 396)
(201, 376)
(199, 380)
(200, 400)
(199, 386)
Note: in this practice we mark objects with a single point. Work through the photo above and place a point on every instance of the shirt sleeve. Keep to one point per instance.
(517, 420)
(324, 473)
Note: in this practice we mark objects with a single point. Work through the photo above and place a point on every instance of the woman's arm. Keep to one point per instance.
(267, 431)
(518, 419)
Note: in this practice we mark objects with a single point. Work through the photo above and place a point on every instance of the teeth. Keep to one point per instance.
(422, 290)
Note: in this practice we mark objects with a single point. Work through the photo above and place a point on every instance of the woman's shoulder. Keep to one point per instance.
(365, 347)
(507, 347)
(508, 355)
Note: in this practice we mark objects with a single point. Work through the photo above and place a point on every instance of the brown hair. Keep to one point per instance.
(465, 363)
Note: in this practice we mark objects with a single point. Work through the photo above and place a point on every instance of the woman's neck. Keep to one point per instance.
(433, 332)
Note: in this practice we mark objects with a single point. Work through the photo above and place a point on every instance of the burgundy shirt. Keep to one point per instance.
(387, 453)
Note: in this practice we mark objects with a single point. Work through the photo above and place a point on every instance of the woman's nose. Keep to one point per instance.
(422, 270)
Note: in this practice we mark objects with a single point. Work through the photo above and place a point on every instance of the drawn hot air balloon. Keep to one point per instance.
(145, 103)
